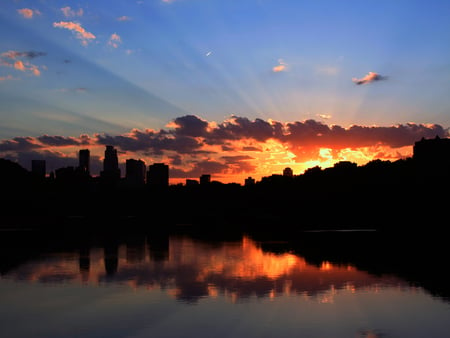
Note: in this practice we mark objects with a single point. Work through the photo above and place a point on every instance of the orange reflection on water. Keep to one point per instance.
(189, 270)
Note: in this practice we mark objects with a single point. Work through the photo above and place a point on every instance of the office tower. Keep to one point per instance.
(84, 161)
(135, 172)
(287, 172)
(158, 175)
(205, 179)
(111, 169)
(38, 168)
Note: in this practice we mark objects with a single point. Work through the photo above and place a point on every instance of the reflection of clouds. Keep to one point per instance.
(193, 270)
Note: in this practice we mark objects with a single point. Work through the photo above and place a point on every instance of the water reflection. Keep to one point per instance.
(189, 270)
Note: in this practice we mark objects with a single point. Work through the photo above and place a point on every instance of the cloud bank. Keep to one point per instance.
(238, 145)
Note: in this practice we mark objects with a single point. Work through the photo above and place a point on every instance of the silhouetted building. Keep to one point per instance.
(205, 179)
(158, 175)
(249, 181)
(111, 171)
(135, 172)
(190, 183)
(84, 161)
(287, 172)
(434, 151)
(38, 168)
(66, 175)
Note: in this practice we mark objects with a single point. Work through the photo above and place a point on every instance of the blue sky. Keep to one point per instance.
(111, 66)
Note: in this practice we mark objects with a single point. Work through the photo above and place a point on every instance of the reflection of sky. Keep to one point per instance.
(191, 270)
(69, 295)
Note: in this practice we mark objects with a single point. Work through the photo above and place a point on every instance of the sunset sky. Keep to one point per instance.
(228, 88)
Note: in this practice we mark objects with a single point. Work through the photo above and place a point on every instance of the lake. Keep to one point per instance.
(164, 285)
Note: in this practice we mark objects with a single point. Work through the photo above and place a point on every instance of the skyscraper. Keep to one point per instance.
(84, 161)
(135, 172)
(111, 169)
(158, 175)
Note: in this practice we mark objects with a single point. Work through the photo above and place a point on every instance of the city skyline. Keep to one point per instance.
(245, 89)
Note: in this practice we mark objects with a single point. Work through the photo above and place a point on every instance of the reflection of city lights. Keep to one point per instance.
(326, 266)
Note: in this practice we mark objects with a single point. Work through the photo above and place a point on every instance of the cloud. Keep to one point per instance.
(19, 144)
(281, 67)
(13, 54)
(28, 13)
(62, 141)
(123, 18)
(189, 125)
(80, 32)
(11, 59)
(114, 40)
(152, 142)
(370, 77)
(69, 12)
(5, 78)
(324, 116)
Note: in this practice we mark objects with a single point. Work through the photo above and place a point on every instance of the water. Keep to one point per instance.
(178, 286)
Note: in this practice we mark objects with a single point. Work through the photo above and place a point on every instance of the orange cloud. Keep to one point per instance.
(28, 13)
(19, 65)
(11, 59)
(81, 33)
(281, 67)
(370, 77)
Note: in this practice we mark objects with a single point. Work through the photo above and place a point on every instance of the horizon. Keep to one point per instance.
(245, 89)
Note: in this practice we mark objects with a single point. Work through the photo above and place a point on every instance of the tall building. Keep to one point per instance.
(135, 172)
(111, 169)
(205, 179)
(38, 168)
(158, 175)
(287, 172)
(84, 161)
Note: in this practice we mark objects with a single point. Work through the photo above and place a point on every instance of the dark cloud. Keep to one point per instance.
(19, 144)
(61, 141)
(152, 142)
(241, 127)
(190, 125)
(313, 133)
(12, 54)
(250, 148)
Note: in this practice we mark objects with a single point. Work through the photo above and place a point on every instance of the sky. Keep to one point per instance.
(227, 88)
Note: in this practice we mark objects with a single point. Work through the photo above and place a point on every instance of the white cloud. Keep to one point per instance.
(69, 12)
(115, 40)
